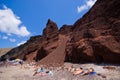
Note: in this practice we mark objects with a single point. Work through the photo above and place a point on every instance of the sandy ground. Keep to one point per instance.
(12, 72)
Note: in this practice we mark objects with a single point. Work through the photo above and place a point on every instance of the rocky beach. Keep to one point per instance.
(89, 49)
(15, 72)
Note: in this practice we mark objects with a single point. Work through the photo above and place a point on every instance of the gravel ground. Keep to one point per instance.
(16, 73)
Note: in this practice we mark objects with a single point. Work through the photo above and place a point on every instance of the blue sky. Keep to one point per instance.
(20, 19)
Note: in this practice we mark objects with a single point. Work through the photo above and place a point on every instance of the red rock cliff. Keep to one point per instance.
(93, 38)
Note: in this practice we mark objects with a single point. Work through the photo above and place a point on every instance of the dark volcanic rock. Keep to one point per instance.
(93, 38)
(41, 54)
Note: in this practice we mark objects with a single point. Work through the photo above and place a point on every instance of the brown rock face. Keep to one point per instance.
(51, 30)
(66, 29)
(96, 36)
(93, 38)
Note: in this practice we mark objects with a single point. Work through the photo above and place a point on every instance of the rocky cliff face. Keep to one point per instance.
(96, 36)
(93, 38)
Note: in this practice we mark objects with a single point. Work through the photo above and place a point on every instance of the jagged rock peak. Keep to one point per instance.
(50, 22)
(51, 30)
(51, 25)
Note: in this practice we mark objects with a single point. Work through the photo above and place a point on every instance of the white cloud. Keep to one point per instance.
(88, 4)
(9, 34)
(12, 40)
(11, 24)
(5, 37)
(81, 8)
(21, 43)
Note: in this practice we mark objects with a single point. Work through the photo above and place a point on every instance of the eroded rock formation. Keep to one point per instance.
(93, 38)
